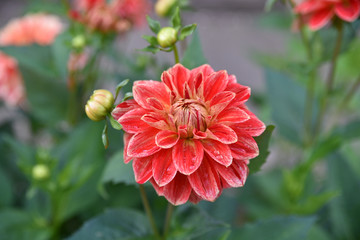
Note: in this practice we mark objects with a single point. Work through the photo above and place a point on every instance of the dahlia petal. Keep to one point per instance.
(218, 151)
(194, 198)
(143, 144)
(245, 148)
(123, 108)
(205, 69)
(220, 101)
(232, 115)
(253, 126)
(143, 90)
(199, 134)
(178, 191)
(163, 168)
(155, 120)
(309, 6)
(166, 139)
(222, 133)
(242, 94)
(142, 169)
(320, 18)
(215, 83)
(127, 138)
(205, 182)
(180, 76)
(187, 155)
(159, 190)
(348, 10)
(155, 104)
(235, 175)
(167, 78)
(131, 121)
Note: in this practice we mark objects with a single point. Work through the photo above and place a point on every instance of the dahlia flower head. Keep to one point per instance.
(38, 28)
(317, 13)
(115, 16)
(191, 134)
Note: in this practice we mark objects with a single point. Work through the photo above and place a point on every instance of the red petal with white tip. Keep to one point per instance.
(187, 155)
(143, 144)
(245, 148)
(142, 169)
(232, 115)
(178, 190)
(214, 84)
(205, 182)
(163, 167)
(131, 121)
(320, 18)
(218, 151)
(235, 175)
(166, 139)
(348, 10)
(222, 133)
(143, 90)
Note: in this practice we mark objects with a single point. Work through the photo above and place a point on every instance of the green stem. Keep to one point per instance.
(176, 54)
(148, 211)
(350, 93)
(330, 80)
(169, 212)
(309, 90)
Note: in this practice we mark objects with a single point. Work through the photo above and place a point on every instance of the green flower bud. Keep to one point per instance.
(78, 41)
(99, 105)
(167, 36)
(163, 7)
(40, 172)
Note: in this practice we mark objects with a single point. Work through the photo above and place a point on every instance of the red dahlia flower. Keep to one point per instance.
(317, 13)
(191, 135)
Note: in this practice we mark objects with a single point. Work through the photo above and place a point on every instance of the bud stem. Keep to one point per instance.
(176, 54)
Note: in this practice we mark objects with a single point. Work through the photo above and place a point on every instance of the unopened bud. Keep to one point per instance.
(78, 41)
(99, 105)
(40, 172)
(167, 36)
(163, 7)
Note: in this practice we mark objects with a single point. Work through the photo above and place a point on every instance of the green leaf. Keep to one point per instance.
(120, 86)
(81, 160)
(117, 171)
(263, 143)
(127, 96)
(153, 24)
(115, 124)
(344, 210)
(115, 224)
(61, 54)
(46, 91)
(151, 40)
(194, 55)
(176, 19)
(269, 5)
(277, 228)
(187, 30)
(150, 49)
(287, 103)
(6, 196)
(16, 224)
(104, 137)
(192, 223)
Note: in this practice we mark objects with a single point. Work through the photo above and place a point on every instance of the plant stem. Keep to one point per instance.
(148, 211)
(176, 54)
(309, 90)
(330, 79)
(169, 212)
(350, 93)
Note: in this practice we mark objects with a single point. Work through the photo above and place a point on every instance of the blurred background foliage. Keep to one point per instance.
(62, 184)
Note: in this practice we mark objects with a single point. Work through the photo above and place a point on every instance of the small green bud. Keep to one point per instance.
(163, 7)
(99, 105)
(40, 172)
(167, 37)
(78, 41)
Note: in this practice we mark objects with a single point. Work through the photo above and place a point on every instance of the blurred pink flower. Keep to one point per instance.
(317, 13)
(11, 84)
(191, 135)
(116, 16)
(35, 28)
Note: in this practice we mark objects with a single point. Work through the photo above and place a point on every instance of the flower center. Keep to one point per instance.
(190, 113)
